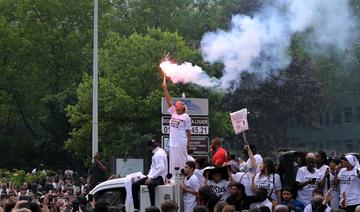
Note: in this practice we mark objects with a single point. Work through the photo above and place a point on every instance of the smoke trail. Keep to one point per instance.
(261, 43)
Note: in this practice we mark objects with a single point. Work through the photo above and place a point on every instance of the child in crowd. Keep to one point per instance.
(190, 187)
(217, 180)
(288, 199)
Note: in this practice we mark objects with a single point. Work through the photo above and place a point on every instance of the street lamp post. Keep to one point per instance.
(95, 83)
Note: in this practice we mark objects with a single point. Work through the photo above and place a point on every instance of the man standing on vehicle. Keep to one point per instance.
(96, 172)
(156, 174)
(180, 135)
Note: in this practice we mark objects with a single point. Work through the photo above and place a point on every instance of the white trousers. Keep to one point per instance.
(178, 158)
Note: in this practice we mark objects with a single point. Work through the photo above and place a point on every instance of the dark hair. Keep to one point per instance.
(319, 191)
(205, 192)
(169, 205)
(152, 142)
(191, 164)
(220, 206)
(261, 192)
(34, 207)
(241, 187)
(287, 188)
(217, 140)
(200, 209)
(101, 205)
(270, 166)
(264, 209)
(337, 161)
(201, 162)
(323, 157)
(253, 148)
(152, 209)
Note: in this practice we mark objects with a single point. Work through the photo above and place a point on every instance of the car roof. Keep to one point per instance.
(109, 184)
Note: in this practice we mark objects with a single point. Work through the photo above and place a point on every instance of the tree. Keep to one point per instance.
(129, 93)
(292, 95)
(45, 49)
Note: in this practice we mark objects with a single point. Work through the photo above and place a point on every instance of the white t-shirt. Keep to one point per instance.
(190, 158)
(178, 126)
(336, 191)
(350, 184)
(308, 208)
(220, 189)
(323, 169)
(266, 203)
(200, 175)
(259, 161)
(302, 175)
(189, 198)
(245, 178)
(267, 182)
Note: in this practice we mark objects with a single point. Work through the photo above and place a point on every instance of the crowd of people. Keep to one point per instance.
(315, 183)
(229, 184)
(318, 183)
(62, 191)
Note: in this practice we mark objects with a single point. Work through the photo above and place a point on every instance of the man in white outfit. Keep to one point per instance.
(180, 132)
(156, 174)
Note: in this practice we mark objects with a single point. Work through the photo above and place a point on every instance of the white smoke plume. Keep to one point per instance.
(260, 43)
(187, 73)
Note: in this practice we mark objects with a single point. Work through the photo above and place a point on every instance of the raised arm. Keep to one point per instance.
(166, 93)
(251, 157)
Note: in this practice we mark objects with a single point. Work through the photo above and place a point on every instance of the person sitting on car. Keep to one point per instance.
(156, 174)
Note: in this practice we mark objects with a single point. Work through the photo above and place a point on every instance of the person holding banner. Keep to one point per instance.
(180, 134)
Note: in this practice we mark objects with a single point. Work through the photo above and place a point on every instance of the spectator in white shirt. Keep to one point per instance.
(349, 180)
(323, 165)
(190, 186)
(261, 199)
(268, 179)
(156, 174)
(308, 179)
(255, 159)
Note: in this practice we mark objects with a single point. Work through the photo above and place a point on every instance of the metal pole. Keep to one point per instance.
(243, 133)
(95, 83)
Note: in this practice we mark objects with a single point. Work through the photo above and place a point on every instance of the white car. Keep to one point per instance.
(114, 191)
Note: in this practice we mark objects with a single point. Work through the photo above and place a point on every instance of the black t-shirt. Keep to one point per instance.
(97, 174)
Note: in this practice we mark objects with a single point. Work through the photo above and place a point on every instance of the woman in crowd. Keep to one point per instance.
(268, 179)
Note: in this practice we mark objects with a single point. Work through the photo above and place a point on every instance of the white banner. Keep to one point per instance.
(239, 120)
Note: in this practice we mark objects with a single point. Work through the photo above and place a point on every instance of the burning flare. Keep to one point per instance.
(187, 73)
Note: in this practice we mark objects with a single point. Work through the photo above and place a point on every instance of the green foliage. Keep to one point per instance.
(19, 177)
(44, 51)
(130, 91)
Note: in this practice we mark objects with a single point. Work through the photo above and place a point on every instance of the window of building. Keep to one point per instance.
(336, 118)
(348, 115)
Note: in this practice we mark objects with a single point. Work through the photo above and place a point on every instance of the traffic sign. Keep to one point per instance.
(195, 106)
(199, 125)
(198, 144)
